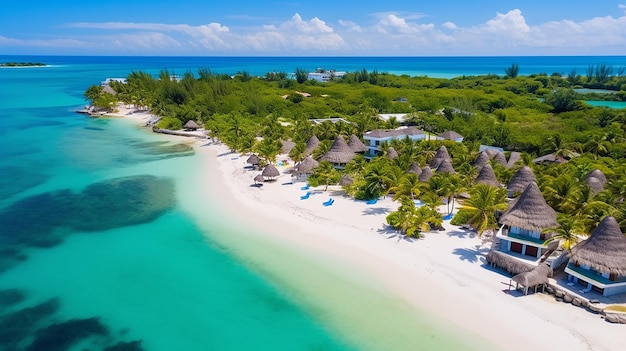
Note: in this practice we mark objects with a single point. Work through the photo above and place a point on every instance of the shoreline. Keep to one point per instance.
(442, 275)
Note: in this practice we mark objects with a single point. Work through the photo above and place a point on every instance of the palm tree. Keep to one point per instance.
(569, 230)
(557, 146)
(482, 205)
(375, 179)
(560, 192)
(324, 174)
(597, 145)
(268, 149)
(408, 186)
(412, 221)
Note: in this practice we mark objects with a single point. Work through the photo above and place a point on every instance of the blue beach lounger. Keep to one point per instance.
(372, 201)
(305, 196)
(306, 187)
(328, 203)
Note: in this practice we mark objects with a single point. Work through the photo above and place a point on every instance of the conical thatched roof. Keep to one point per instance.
(513, 158)
(259, 178)
(312, 144)
(356, 144)
(500, 158)
(530, 211)
(286, 147)
(339, 152)
(392, 153)
(441, 154)
(594, 184)
(521, 179)
(253, 159)
(596, 173)
(487, 176)
(445, 166)
(306, 166)
(270, 171)
(450, 135)
(539, 275)
(605, 250)
(345, 180)
(415, 168)
(191, 124)
(107, 89)
(426, 174)
(481, 160)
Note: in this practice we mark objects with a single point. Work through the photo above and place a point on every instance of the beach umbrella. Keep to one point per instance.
(356, 144)
(530, 211)
(487, 176)
(346, 180)
(604, 251)
(191, 125)
(270, 171)
(415, 168)
(253, 160)
(339, 152)
(521, 179)
(259, 179)
(312, 144)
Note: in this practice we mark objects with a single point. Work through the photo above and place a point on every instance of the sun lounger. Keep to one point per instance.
(328, 203)
(306, 187)
(372, 201)
(305, 196)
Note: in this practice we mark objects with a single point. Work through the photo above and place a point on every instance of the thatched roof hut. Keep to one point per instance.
(253, 160)
(191, 125)
(507, 262)
(594, 184)
(500, 158)
(530, 211)
(596, 173)
(441, 154)
(312, 144)
(538, 276)
(356, 144)
(392, 153)
(286, 146)
(306, 166)
(445, 166)
(426, 174)
(513, 158)
(487, 176)
(604, 251)
(415, 168)
(521, 179)
(259, 178)
(339, 152)
(346, 180)
(481, 160)
(270, 171)
(450, 135)
(107, 89)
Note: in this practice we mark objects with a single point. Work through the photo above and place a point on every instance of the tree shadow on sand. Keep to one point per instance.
(471, 254)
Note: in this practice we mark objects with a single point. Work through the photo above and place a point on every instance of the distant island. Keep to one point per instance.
(22, 64)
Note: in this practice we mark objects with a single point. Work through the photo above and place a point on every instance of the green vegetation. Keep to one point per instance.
(534, 115)
(22, 64)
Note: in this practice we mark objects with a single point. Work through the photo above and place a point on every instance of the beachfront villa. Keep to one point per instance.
(322, 75)
(339, 153)
(375, 137)
(450, 135)
(599, 263)
(522, 233)
(304, 169)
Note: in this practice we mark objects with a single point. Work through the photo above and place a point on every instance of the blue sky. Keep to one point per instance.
(313, 28)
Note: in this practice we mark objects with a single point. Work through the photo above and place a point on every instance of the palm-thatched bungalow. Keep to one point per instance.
(442, 154)
(286, 146)
(425, 176)
(270, 172)
(513, 158)
(339, 153)
(346, 180)
(538, 277)
(600, 261)
(487, 176)
(356, 144)
(450, 135)
(445, 166)
(253, 160)
(312, 144)
(415, 168)
(304, 168)
(481, 160)
(374, 138)
(191, 125)
(499, 158)
(392, 153)
(520, 180)
(106, 88)
(523, 225)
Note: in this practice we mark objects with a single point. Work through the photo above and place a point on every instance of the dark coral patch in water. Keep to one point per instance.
(61, 336)
(126, 346)
(9, 297)
(18, 326)
(17, 179)
(44, 220)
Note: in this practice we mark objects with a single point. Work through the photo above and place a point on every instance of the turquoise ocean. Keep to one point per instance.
(98, 247)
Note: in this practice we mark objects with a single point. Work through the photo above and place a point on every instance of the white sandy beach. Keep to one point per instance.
(442, 275)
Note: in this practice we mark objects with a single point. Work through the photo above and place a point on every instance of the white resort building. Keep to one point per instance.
(374, 138)
(322, 75)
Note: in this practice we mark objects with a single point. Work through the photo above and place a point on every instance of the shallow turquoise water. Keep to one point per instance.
(609, 104)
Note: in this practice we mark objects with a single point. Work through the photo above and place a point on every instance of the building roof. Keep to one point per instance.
(508, 262)
(270, 171)
(441, 154)
(415, 168)
(306, 166)
(107, 89)
(393, 133)
(487, 176)
(445, 167)
(346, 180)
(286, 146)
(500, 158)
(426, 174)
(513, 158)
(539, 275)
(339, 152)
(356, 144)
(481, 160)
(191, 124)
(530, 211)
(392, 153)
(450, 135)
(521, 179)
(605, 250)
(312, 144)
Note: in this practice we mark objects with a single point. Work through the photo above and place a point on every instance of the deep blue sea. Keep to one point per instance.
(99, 251)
